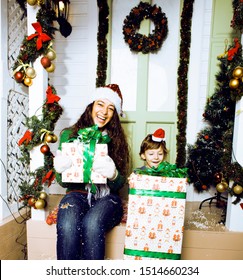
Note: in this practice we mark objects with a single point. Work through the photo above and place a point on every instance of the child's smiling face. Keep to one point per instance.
(153, 157)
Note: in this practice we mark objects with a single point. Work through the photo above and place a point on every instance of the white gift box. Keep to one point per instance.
(155, 219)
(75, 174)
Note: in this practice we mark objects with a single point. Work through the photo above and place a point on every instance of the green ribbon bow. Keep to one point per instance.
(164, 169)
(90, 136)
(93, 134)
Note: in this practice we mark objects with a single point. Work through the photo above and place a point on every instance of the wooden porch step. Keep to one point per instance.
(197, 244)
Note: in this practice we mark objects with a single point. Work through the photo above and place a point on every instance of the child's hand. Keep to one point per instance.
(61, 163)
(106, 167)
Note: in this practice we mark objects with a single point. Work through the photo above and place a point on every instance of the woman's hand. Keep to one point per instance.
(61, 163)
(106, 167)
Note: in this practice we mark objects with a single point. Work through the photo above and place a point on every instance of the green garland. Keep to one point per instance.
(186, 19)
(28, 52)
(102, 42)
(37, 127)
(237, 21)
(142, 43)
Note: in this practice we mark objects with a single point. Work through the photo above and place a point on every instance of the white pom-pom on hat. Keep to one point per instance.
(158, 135)
(112, 93)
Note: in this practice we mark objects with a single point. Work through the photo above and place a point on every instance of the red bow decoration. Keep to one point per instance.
(26, 138)
(42, 37)
(50, 176)
(241, 205)
(51, 97)
(234, 50)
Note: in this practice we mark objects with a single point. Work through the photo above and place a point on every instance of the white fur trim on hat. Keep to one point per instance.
(112, 96)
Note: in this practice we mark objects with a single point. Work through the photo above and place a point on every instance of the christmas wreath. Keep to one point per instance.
(139, 42)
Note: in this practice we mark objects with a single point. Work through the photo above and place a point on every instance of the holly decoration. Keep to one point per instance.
(39, 129)
(37, 44)
(40, 133)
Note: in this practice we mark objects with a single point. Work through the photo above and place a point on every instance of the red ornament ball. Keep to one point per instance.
(31, 201)
(45, 149)
(204, 187)
(19, 76)
(45, 61)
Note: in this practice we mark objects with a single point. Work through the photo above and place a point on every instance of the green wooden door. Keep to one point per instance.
(147, 81)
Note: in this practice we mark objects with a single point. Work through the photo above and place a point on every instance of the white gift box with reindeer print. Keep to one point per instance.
(155, 218)
(76, 151)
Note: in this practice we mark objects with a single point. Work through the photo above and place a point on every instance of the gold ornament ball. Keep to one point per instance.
(238, 72)
(40, 2)
(221, 187)
(234, 83)
(51, 68)
(51, 55)
(40, 203)
(28, 81)
(32, 2)
(237, 189)
(43, 195)
(48, 138)
(54, 138)
(30, 72)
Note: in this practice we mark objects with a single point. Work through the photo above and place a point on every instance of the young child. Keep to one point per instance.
(153, 149)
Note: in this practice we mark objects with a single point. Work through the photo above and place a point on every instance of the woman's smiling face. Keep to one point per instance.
(102, 112)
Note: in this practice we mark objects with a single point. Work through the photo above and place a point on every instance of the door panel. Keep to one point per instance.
(147, 81)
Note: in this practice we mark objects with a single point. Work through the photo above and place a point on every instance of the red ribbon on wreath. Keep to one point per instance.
(26, 138)
(42, 37)
(51, 97)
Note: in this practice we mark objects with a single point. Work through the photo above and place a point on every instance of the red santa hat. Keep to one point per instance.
(158, 135)
(112, 93)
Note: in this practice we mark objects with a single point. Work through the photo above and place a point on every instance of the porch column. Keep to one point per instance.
(37, 94)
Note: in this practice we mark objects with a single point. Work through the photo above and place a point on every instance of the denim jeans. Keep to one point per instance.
(81, 228)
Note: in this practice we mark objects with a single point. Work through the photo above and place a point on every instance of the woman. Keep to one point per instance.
(83, 218)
